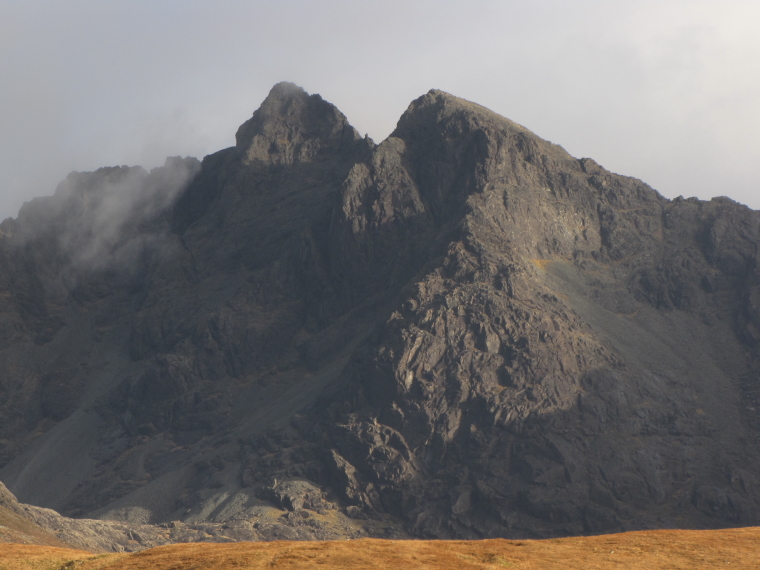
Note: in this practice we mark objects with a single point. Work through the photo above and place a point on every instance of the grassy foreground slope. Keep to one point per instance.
(18, 529)
(672, 549)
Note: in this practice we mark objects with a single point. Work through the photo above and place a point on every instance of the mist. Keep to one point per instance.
(663, 91)
(109, 220)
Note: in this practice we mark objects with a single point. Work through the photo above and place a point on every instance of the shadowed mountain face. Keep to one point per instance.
(460, 332)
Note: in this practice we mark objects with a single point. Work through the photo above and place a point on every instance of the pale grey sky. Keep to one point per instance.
(667, 91)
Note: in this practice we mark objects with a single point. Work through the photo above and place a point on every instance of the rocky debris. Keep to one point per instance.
(460, 332)
(294, 495)
(93, 535)
(114, 536)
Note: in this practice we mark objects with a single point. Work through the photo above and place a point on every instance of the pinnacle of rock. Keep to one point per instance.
(293, 126)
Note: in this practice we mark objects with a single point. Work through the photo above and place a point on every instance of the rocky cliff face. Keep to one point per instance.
(460, 332)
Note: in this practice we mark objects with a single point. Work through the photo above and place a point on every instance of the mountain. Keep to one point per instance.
(461, 332)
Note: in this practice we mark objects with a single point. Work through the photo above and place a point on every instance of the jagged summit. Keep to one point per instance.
(293, 126)
(460, 332)
(439, 106)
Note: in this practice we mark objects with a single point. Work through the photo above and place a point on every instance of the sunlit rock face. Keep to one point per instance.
(460, 332)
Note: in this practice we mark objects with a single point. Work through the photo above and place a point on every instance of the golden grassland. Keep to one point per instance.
(645, 550)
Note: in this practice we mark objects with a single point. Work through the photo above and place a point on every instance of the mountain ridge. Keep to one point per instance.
(462, 331)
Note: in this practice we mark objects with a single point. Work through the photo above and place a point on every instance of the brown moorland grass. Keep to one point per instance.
(35, 557)
(645, 550)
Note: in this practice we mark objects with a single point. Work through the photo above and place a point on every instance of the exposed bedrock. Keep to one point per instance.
(460, 332)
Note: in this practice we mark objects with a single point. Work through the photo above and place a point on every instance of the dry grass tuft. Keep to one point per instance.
(541, 263)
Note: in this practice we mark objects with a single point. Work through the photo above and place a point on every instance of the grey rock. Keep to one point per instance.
(460, 332)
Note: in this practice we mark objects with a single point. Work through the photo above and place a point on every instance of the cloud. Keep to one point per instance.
(104, 220)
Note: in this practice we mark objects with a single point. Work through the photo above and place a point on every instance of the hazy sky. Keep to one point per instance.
(666, 91)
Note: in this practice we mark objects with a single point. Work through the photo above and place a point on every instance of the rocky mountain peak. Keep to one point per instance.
(463, 331)
(292, 126)
(438, 107)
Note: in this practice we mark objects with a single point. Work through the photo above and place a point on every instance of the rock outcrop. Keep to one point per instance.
(460, 332)
(28, 524)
